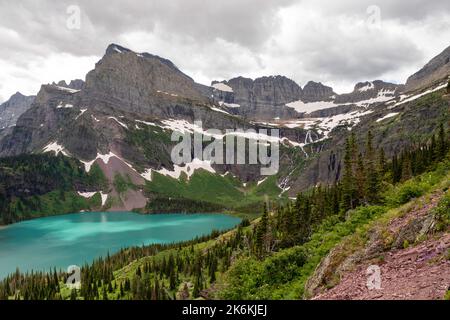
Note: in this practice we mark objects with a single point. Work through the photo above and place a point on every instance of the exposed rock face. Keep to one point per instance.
(76, 84)
(12, 109)
(414, 119)
(125, 87)
(103, 114)
(374, 90)
(141, 83)
(419, 270)
(316, 91)
(263, 98)
(266, 98)
(435, 70)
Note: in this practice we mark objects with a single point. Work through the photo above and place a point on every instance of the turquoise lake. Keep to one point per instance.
(75, 239)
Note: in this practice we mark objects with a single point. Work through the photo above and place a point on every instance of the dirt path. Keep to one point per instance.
(417, 272)
(421, 272)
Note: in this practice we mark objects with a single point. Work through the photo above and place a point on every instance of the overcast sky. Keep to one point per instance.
(336, 42)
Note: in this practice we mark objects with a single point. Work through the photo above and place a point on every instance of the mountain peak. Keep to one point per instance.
(118, 49)
(436, 70)
(115, 48)
(18, 94)
(316, 91)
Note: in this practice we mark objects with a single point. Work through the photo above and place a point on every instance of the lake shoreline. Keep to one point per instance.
(43, 243)
(41, 216)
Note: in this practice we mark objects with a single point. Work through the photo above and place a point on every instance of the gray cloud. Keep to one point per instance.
(320, 40)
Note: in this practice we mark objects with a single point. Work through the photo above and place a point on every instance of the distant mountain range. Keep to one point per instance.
(122, 115)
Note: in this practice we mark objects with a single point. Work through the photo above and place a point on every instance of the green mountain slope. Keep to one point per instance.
(276, 256)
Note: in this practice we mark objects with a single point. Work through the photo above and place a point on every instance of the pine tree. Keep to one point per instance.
(442, 143)
(138, 271)
(172, 280)
(302, 219)
(382, 168)
(348, 181)
(73, 294)
(406, 168)
(104, 293)
(361, 179)
(372, 180)
(261, 231)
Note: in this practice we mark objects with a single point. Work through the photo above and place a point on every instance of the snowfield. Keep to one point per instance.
(189, 169)
(56, 148)
(120, 123)
(408, 98)
(222, 87)
(302, 107)
(368, 87)
(389, 115)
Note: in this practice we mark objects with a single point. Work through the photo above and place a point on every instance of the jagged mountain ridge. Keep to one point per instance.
(277, 97)
(122, 119)
(131, 98)
(12, 109)
(434, 71)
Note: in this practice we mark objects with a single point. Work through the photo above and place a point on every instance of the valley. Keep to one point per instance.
(352, 167)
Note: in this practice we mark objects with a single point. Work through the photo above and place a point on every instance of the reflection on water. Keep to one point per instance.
(76, 239)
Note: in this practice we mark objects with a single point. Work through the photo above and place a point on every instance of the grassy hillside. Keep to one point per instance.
(253, 261)
(205, 190)
(37, 185)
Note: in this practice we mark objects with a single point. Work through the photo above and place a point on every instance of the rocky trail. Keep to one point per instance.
(420, 272)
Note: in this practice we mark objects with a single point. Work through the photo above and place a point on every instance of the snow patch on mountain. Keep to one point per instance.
(367, 87)
(229, 105)
(222, 87)
(56, 148)
(351, 119)
(189, 169)
(82, 111)
(383, 95)
(67, 89)
(64, 106)
(104, 157)
(119, 122)
(87, 195)
(302, 107)
(389, 115)
(408, 98)
(219, 110)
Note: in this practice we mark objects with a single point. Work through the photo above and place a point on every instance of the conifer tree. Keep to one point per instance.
(406, 168)
(361, 179)
(261, 231)
(348, 181)
(382, 162)
(442, 142)
(372, 181)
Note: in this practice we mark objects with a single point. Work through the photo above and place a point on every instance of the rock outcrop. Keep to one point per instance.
(371, 91)
(437, 69)
(263, 98)
(417, 269)
(316, 91)
(12, 109)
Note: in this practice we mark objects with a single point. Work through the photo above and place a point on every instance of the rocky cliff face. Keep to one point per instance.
(371, 91)
(263, 98)
(132, 102)
(437, 69)
(12, 109)
(76, 84)
(272, 98)
(129, 106)
(316, 91)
